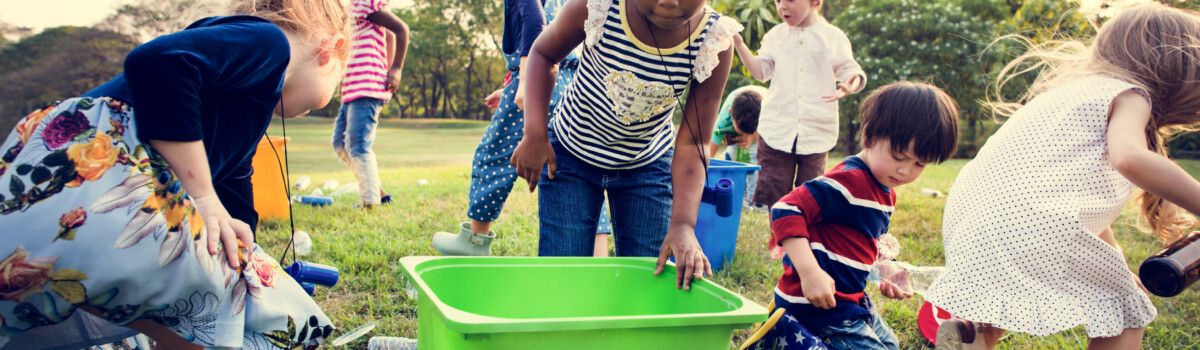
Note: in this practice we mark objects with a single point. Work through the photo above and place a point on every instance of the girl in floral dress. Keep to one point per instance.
(133, 202)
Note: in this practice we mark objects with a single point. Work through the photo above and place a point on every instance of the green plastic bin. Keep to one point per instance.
(569, 303)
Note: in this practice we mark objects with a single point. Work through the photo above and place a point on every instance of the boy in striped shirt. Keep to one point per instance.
(372, 74)
(830, 225)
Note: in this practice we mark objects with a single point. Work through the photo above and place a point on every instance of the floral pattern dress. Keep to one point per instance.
(91, 217)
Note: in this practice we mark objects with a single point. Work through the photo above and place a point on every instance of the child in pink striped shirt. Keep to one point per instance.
(370, 79)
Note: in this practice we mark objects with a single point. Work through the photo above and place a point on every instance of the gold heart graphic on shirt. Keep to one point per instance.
(635, 99)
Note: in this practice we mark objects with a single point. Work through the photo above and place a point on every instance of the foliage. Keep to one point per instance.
(935, 41)
(56, 64)
(145, 20)
(453, 59)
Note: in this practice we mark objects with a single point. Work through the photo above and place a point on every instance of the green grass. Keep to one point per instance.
(366, 245)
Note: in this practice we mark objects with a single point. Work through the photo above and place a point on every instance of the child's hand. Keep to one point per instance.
(690, 261)
(530, 155)
(220, 226)
(393, 79)
(818, 288)
(892, 291)
(493, 100)
(519, 99)
(842, 91)
(744, 141)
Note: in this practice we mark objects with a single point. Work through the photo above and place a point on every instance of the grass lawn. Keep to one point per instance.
(366, 245)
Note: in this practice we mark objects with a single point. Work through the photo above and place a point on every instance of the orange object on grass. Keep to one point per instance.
(270, 191)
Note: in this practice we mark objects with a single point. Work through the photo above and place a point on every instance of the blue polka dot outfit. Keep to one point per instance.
(492, 175)
(1022, 221)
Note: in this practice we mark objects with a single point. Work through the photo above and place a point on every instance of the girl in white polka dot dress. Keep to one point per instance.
(1027, 235)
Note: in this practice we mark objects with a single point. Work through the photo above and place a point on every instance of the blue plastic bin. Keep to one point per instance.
(718, 235)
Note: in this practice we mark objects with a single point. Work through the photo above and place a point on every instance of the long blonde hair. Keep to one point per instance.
(315, 20)
(1151, 46)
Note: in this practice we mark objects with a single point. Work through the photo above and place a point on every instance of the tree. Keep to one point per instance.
(453, 61)
(56, 64)
(936, 41)
(145, 20)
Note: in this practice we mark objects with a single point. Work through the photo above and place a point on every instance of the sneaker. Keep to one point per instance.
(957, 334)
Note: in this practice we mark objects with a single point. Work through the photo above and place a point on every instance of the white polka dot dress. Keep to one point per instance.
(1022, 221)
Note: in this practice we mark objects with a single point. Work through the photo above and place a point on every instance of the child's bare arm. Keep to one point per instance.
(189, 161)
(555, 42)
(687, 175)
(1129, 115)
(752, 63)
(818, 287)
(397, 26)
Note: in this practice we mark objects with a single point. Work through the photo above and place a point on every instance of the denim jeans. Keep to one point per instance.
(861, 333)
(569, 205)
(353, 135)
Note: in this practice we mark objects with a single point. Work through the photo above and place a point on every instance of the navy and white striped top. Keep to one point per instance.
(617, 113)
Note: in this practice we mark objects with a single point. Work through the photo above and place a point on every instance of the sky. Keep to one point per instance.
(42, 14)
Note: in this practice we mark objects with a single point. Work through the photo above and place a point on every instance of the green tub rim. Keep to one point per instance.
(471, 323)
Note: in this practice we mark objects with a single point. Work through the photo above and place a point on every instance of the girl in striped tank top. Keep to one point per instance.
(613, 133)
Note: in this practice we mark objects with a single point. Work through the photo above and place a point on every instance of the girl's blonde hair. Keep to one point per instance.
(1151, 46)
(315, 20)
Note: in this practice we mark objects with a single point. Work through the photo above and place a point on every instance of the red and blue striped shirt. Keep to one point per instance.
(842, 214)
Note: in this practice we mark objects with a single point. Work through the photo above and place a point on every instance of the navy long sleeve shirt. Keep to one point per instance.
(217, 81)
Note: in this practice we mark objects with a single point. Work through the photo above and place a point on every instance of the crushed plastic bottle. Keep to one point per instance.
(302, 183)
(345, 188)
(330, 185)
(303, 243)
(391, 343)
(911, 279)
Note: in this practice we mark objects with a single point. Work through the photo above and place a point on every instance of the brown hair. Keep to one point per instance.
(913, 113)
(315, 20)
(745, 109)
(1152, 46)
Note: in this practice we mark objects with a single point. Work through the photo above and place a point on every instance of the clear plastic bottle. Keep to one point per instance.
(911, 279)
(302, 183)
(303, 243)
(391, 343)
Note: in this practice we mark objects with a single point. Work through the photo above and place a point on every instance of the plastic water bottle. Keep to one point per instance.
(911, 279)
(303, 243)
(302, 183)
(330, 185)
(391, 343)
(346, 188)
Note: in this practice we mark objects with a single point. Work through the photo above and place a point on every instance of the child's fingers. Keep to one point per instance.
(214, 233)
(551, 166)
(708, 267)
(230, 242)
(533, 182)
(662, 261)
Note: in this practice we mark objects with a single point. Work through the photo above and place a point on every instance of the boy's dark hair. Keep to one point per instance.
(914, 113)
(746, 106)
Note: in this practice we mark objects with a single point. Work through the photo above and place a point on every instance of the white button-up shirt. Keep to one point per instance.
(803, 65)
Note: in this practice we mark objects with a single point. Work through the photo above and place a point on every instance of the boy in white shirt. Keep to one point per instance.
(805, 58)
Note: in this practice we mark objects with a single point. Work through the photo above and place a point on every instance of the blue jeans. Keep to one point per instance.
(861, 333)
(353, 134)
(569, 205)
